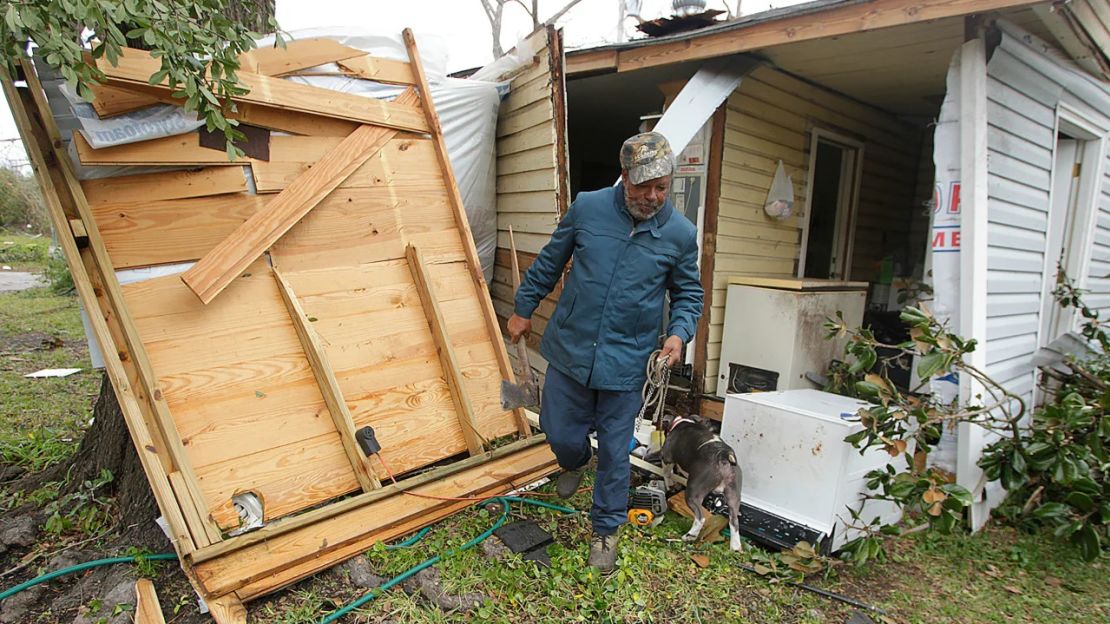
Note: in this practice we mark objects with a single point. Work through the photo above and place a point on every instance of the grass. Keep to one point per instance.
(999, 575)
(41, 420)
(24, 252)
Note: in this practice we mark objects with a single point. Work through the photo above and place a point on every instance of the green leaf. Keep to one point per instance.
(930, 364)
(958, 493)
(1088, 541)
(1050, 511)
(158, 76)
(1080, 501)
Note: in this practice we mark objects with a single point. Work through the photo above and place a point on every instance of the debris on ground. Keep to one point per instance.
(15, 609)
(358, 571)
(427, 583)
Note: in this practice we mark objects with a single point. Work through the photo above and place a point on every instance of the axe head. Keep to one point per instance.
(523, 394)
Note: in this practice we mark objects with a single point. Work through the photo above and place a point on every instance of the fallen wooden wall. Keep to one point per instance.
(341, 290)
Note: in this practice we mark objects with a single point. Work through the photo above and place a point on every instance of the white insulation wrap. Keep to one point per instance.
(943, 257)
(467, 113)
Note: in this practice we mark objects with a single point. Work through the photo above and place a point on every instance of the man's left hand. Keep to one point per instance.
(672, 348)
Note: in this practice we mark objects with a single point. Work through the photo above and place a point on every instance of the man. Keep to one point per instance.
(630, 247)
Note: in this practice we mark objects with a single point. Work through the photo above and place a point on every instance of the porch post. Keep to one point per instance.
(973, 254)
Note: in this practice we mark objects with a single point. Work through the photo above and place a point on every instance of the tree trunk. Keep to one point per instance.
(107, 446)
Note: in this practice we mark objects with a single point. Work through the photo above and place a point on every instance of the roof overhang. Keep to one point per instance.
(805, 22)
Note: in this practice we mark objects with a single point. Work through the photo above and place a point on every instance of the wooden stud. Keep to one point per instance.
(447, 358)
(208, 533)
(559, 118)
(147, 608)
(473, 264)
(296, 55)
(329, 386)
(219, 267)
(309, 518)
(145, 448)
(135, 67)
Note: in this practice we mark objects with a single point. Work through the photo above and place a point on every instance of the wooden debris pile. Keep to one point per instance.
(335, 286)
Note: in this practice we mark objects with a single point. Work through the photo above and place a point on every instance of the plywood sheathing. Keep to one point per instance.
(261, 389)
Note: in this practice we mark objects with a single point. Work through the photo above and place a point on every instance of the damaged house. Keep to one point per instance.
(958, 144)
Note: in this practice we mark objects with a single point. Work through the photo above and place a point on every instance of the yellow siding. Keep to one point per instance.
(528, 185)
(770, 118)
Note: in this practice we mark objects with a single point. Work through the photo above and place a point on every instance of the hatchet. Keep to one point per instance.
(525, 393)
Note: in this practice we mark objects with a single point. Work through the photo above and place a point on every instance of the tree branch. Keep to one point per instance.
(561, 12)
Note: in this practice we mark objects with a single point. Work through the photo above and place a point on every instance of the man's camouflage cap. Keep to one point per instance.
(647, 156)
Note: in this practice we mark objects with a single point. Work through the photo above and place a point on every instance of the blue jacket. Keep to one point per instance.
(607, 321)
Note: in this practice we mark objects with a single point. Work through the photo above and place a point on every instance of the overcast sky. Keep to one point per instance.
(461, 23)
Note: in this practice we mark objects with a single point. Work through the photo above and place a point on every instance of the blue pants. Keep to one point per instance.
(568, 413)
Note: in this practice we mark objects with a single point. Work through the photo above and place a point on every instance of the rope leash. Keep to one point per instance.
(654, 396)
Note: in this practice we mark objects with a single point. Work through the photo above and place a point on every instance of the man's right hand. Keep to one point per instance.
(519, 326)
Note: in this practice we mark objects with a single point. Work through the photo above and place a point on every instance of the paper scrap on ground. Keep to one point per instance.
(54, 372)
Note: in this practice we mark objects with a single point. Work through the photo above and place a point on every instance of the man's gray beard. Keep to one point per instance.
(640, 212)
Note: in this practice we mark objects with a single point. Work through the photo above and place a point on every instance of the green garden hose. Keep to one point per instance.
(85, 566)
(377, 591)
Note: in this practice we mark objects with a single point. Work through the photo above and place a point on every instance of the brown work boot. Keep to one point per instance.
(567, 483)
(603, 552)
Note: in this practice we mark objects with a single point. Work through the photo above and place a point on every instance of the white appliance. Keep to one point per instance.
(774, 334)
(796, 463)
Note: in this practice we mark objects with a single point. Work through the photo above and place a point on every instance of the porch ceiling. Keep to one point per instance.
(900, 69)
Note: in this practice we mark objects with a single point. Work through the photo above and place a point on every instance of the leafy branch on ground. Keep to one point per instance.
(197, 43)
(1053, 466)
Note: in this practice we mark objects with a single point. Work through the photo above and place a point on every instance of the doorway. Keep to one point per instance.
(1075, 175)
(831, 201)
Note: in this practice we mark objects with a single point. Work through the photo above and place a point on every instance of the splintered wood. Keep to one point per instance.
(335, 287)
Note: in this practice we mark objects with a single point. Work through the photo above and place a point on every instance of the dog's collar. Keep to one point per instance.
(677, 420)
(710, 441)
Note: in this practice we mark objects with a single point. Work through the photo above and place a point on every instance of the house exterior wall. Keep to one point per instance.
(531, 178)
(770, 117)
(1026, 86)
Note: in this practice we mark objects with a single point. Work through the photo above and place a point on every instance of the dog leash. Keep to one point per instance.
(654, 396)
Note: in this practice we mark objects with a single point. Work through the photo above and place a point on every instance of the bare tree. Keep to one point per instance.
(495, 10)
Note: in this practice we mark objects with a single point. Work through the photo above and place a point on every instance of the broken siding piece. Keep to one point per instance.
(294, 56)
(135, 67)
(159, 186)
(147, 608)
(379, 69)
(220, 266)
(181, 149)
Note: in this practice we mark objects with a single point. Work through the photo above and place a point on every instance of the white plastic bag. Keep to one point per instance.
(780, 200)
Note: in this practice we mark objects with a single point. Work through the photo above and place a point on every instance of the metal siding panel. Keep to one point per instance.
(1012, 347)
(1013, 282)
(1015, 325)
(1019, 194)
(1020, 216)
(1014, 169)
(1005, 236)
(1004, 304)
